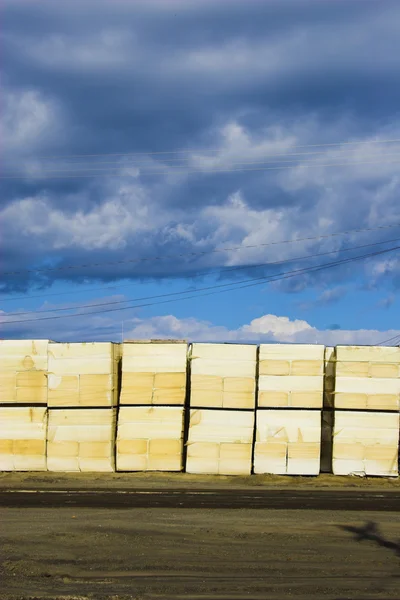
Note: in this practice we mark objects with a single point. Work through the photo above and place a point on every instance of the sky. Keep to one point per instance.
(162, 160)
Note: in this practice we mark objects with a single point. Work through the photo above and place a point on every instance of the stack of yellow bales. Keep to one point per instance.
(82, 396)
(23, 399)
(222, 408)
(366, 420)
(290, 399)
(152, 404)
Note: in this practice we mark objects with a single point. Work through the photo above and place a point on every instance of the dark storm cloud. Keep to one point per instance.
(97, 77)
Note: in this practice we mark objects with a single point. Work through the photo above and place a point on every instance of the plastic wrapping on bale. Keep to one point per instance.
(154, 373)
(223, 376)
(291, 376)
(150, 438)
(81, 439)
(83, 374)
(23, 372)
(23, 438)
(220, 442)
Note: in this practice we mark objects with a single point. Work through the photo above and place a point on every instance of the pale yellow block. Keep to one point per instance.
(221, 426)
(6, 462)
(383, 370)
(95, 450)
(289, 425)
(206, 383)
(273, 399)
(200, 465)
(227, 352)
(33, 395)
(206, 450)
(96, 465)
(292, 352)
(131, 396)
(206, 399)
(385, 354)
(169, 396)
(137, 381)
(351, 401)
(165, 447)
(343, 451)
(6, 446)
(62, 398)
(307, 367)
(381, 468)
(239, 384)
(32, 462)
(306, 399)
(367, 385)
(351, 368)
(101, 382)
(304, 450)
(291, 383)
(383, 402)
(21, 355)
(234, 467)
(303, 466)
(31, 379)
(170, 381)
(164, 463)
(29, 447)
(62, 449)
(131, 462)
(348, 466)
(381, 452)
(132, 446)
(66, 383)
(274, 367)
(232, 451)
(66, 464)
(272, 449)
(240, 400)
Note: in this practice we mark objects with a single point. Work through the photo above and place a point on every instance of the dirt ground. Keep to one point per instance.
(186, 481)
(52, 548)
(198, 554)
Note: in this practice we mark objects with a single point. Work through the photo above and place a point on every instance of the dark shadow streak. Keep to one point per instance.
(370, 531)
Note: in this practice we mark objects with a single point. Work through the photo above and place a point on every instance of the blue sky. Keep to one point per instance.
(172, 129)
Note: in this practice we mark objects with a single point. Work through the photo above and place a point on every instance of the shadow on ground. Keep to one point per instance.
(370, 531)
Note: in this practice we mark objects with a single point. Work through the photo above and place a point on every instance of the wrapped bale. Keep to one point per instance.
(365, 443)
(223, 376)
(154, 373)
(288, 442)
(150, 438)
(23, 371)
(83, 374)
(291, 376)
(81, 439)
(23, 438)
(220, 442)
(367, 378)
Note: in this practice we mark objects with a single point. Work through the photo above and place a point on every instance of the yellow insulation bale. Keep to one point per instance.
(150, 438)
(223, 376)
(23, 438)
(83, 374)
(154, 373)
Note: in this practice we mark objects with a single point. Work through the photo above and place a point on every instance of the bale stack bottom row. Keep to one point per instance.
(226, 409)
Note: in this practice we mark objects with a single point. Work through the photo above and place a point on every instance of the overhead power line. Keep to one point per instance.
(210, 150)
(200, 253)
(221, 269)
(116, 166)
(199, 170)
(233, 287)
